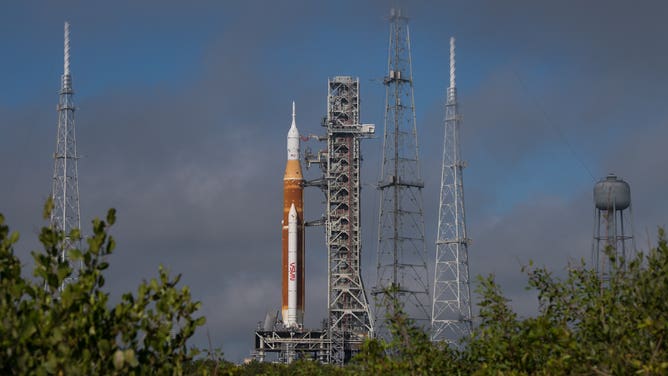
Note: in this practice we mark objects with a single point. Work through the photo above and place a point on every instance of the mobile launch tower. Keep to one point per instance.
(402, 266)
(451, 305)
(65, 215)
(349, 321)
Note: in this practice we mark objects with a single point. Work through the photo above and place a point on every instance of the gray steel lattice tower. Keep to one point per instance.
(349, 319)
(65, 215)
(402, 268)
(451, 306)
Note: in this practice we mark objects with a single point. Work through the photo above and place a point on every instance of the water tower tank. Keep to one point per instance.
(612, 193)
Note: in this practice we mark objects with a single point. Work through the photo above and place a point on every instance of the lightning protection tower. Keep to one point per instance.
(349, 317)
(65, 214)
(451, 306)
(613, 228)
(402, 268)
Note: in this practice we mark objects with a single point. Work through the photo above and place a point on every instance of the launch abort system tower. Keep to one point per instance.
(451, 306)
(402, 266)
(65, 215)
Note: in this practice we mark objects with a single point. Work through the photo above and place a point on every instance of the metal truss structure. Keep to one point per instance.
(292, 344)
(65, 215)
(349, 318)
(451, 306)
(402, 275)
(349, 321)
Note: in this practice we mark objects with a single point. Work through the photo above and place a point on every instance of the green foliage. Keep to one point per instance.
(409, 351)
(299, 367)
(51, 327)
(585, 325)
(210, 364)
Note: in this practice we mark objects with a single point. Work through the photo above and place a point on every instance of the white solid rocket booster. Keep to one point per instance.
(292, 267)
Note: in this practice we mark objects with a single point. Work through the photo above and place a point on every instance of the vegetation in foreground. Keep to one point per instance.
(584, 326)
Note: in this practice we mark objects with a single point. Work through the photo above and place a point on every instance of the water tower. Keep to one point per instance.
(613, 223)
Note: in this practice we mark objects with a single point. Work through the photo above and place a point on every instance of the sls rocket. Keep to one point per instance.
(293, 233)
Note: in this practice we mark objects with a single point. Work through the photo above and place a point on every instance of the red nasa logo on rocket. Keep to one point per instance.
(293, 271)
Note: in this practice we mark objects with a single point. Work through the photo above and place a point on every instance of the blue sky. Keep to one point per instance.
(183, 110)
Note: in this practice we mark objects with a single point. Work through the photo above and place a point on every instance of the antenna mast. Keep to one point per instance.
(65, 215)
(402, 275)
(451, 306)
